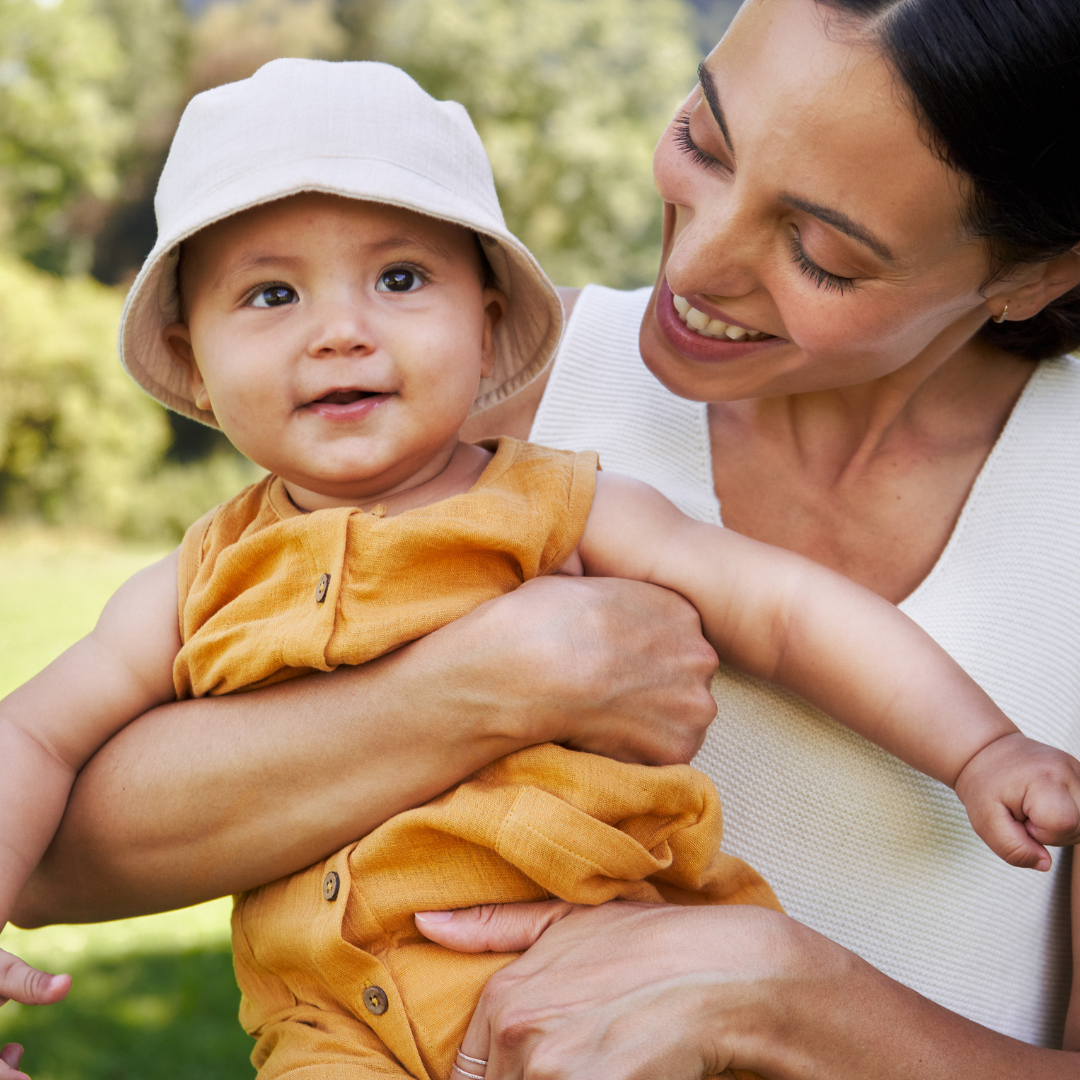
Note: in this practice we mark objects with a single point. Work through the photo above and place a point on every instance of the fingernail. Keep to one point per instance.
(435, 916)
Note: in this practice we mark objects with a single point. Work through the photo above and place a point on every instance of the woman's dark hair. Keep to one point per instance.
(996, 85)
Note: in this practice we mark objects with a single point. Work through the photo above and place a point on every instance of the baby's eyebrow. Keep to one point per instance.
(413, 240)
(253, 260)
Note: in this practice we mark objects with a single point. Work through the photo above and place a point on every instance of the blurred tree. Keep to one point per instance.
(233, 38)
(357, 19)
(60, 131)
(80, 443)
(569, 98)
(154, 38)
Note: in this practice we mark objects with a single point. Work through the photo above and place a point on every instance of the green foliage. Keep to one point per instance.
(141, 1018)
(51, 593)
(59, 133)
(80, 443)
(569, 98)
(82, 82)
(151, 997)
(234, 38)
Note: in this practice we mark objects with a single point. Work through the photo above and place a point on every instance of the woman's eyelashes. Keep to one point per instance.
(686, 143)
(399, 279)
(273, 295)
(819, 276)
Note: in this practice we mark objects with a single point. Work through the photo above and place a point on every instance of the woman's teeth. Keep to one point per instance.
(713, 328)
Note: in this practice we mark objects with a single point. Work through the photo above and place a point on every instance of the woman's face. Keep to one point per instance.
(803, 203)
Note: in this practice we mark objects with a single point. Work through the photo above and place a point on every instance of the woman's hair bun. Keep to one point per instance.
(997, 85)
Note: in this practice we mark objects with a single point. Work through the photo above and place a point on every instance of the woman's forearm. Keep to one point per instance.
(830, 1014)
(204, 798)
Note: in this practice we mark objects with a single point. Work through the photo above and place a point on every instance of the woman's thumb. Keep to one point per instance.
(493, 927)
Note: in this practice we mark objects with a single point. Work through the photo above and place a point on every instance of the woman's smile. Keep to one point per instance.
(694, 334)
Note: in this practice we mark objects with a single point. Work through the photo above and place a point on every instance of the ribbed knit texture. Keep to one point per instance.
(856, 844)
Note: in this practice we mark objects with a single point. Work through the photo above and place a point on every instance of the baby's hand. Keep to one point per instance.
(10, 1057)
(1021, 795)
(20, 982)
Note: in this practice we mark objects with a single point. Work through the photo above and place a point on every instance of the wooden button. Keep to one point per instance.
(375, 1000)
(321, 588)
(330, 885)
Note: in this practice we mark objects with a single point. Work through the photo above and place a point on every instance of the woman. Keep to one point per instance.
(860, 186)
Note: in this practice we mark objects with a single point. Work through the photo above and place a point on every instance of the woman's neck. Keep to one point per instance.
(928, 404)
(867, 479)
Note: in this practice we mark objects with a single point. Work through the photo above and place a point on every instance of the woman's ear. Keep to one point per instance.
(1029, 291)
(177, 339)
(495, 308)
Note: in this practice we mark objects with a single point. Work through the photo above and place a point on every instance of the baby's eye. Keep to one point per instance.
(274, 296)
(398, 280)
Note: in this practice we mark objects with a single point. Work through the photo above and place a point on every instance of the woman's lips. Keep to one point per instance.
(346, 405)
(690, 343)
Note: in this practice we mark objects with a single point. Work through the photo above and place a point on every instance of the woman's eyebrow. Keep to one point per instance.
(843, 223)
(712, 99)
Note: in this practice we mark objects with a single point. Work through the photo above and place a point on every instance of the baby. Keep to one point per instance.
(333, 286)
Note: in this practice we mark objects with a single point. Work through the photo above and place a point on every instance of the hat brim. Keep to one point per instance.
(525, 339)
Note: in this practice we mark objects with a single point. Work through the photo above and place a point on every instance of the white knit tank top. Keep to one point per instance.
(856, 844)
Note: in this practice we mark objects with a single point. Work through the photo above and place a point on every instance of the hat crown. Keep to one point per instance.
(292, 112)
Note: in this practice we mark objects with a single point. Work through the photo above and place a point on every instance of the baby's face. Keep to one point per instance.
(339, 343)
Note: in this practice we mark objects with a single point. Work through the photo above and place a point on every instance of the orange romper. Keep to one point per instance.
(337, 982)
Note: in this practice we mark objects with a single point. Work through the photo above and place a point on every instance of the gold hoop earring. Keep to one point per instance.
(1004, 311)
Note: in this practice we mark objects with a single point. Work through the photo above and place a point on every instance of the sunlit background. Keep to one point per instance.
(96, 479)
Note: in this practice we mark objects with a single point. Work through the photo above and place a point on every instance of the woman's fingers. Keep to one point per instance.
(629, 992)
(493, 927)
(10, 1057)
(617, 668)
(20, 982)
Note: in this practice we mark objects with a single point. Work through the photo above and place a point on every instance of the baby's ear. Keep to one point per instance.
(177, 339)
(495, 308)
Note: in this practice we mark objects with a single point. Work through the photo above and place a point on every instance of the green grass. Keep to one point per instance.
(152, 997)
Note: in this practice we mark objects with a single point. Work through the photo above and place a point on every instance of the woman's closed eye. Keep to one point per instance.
(399, 279)
(686, 143)
(817, 274)
(274, 295)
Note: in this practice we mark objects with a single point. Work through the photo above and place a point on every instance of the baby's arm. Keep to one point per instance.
(51, 725)
(787, 619)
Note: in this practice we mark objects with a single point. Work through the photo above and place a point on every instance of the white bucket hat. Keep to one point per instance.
(358, 129)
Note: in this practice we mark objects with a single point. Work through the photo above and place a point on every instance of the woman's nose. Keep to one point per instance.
(715, 249)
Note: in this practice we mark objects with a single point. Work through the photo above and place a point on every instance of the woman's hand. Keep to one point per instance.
(660, 992)
(614, 667)
(203, 798)
(620, 992)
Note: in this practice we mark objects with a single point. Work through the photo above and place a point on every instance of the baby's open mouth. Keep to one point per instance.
(702, 324)
(344, 397)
